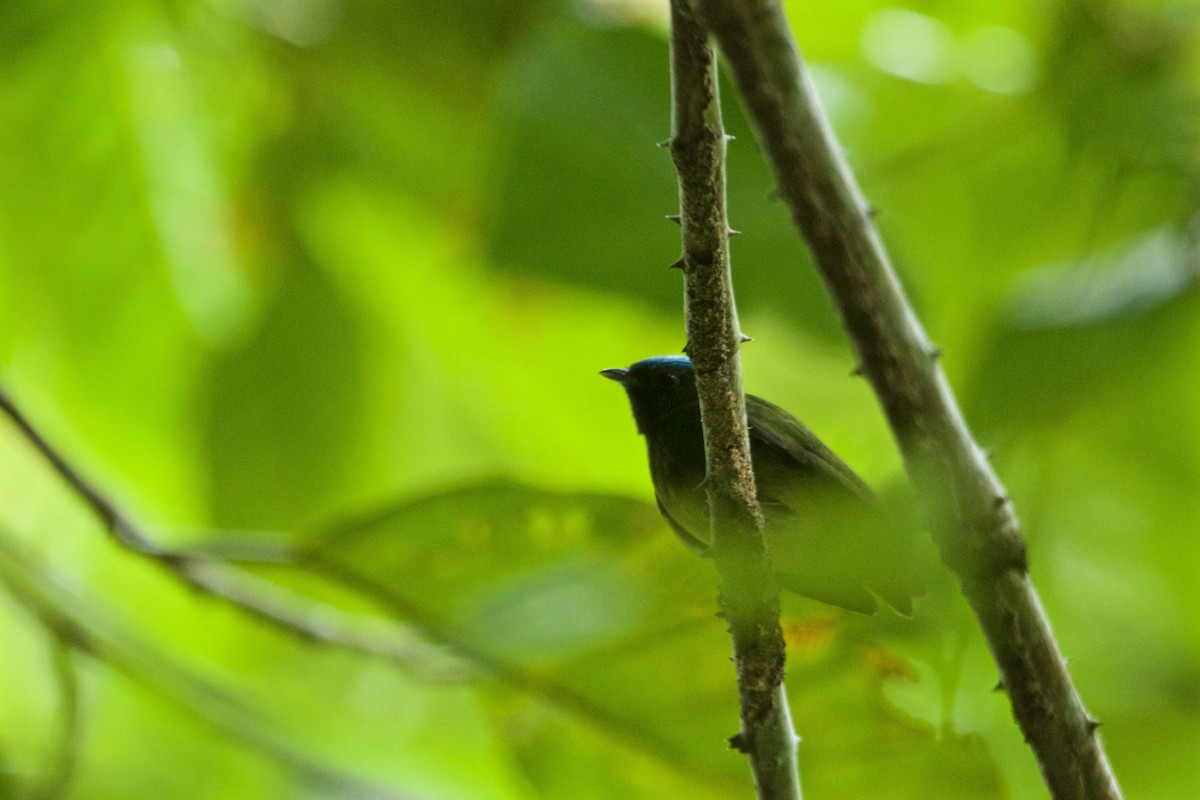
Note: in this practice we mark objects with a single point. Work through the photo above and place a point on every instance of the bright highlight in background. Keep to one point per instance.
(909, 45)
(919, 48)
(997, 59)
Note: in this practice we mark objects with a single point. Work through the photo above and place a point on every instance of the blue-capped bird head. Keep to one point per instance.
(660, 389)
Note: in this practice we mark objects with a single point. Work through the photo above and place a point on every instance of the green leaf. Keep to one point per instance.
(283, 408)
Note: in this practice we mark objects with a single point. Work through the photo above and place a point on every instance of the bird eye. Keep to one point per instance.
(672, 379)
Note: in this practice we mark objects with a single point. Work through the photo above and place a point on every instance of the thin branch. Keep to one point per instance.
(749, 596)
(968, 511)
(115, 523)
(265, 600)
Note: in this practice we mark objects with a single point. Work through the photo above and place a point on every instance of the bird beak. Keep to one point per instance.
(618, 374)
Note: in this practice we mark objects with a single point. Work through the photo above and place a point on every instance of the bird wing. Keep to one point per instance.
(772, 426)
(829, 536)
(693, 543)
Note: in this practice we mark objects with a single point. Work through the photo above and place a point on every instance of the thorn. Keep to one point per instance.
(999, 687)
(729, 137)
(664, 143)
(676, 218)
(1000, 501)
(685, 347)
(738, 742)
(871, 211)
(987, 452)
(1092, 724)
(935, 353)
(743, 338)
(680, 264)
(732, 233)
(857, 372)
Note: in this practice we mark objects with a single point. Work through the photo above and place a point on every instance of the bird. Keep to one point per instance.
(828, 536)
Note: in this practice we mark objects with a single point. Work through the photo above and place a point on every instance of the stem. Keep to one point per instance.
(749, 596)
(213, 576)
(967, 509)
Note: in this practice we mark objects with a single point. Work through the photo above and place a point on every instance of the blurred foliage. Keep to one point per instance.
(344, 272)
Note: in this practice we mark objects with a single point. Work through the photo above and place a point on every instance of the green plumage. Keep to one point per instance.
(827, 535)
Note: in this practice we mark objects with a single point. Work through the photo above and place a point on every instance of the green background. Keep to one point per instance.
(342, 274)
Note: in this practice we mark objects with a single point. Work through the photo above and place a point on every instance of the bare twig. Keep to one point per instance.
(265, 600)
(971, 518)
(749, 596)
